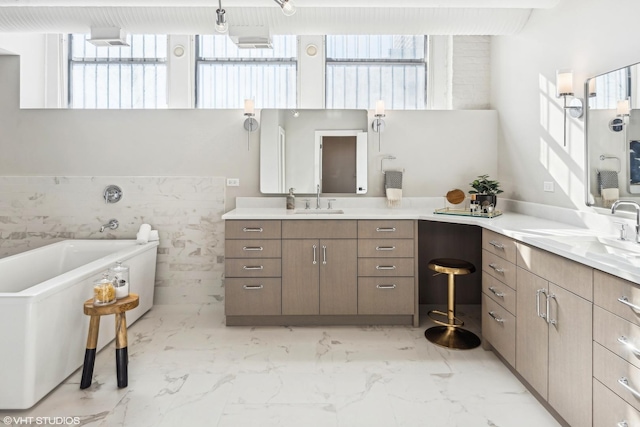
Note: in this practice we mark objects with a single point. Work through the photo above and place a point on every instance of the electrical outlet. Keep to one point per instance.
(548, 186)
(233, 182)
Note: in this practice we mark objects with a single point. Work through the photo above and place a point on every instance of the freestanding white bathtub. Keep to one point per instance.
(43, 329)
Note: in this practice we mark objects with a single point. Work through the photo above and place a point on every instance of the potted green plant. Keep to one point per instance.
(485, 190)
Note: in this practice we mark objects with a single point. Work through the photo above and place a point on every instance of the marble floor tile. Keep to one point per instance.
(187, 368)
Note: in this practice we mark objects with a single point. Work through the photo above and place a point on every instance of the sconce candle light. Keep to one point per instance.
(250, 123)
(378, 124)
(564, 85)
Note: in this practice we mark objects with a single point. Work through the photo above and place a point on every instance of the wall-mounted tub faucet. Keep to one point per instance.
(112, 224)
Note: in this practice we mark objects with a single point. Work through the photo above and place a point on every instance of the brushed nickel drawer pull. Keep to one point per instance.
(497, 245)
(635, 350)
(386, 229)
(392, 286)
(324, 255)
(625, 383)
(253, 287)
(252, 248)
(385, 267)
(496, 268)
(385, 248)
(538, 292)
(314, 255)
(253, 230)
(549, 319)
(496, 318)
(253, 267)
(496, 293)
(626, 302)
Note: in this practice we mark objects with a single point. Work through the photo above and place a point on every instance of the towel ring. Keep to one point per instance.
(382, 163)
(603, 157)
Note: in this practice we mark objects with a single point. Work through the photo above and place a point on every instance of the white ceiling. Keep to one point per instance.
(463, 17)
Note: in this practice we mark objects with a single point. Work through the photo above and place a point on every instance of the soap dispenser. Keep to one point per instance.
(291, 200)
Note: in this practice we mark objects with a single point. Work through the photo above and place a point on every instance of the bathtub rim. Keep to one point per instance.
(47, 287)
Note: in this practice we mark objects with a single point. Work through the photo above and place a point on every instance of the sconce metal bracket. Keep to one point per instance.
(575, 108)
(616, 124)
(378, 125)
(251, 124)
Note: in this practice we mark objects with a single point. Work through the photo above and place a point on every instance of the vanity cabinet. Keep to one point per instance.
(554, 331)
(616, 346)
(252, 268)
(386, 267)
(499, 294)
(320, 267)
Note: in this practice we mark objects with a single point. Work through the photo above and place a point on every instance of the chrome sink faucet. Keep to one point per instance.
(112, 224)
(318, 196)
(634, 204)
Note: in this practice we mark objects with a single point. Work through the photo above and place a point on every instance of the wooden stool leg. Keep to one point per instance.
(90, 352)
(122, 356)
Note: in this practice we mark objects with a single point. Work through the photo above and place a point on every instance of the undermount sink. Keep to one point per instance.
(606, 247)
(318, 211)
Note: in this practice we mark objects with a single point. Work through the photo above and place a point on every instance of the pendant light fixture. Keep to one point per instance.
(288, 8)
(221, 19)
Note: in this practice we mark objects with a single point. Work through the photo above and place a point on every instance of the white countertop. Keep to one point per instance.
(575, 240)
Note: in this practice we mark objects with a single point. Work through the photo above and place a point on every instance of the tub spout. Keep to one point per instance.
(112, 224)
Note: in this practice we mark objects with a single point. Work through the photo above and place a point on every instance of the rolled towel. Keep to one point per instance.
(153, 236)
(143, 234)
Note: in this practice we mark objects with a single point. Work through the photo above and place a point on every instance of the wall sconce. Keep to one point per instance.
(287, 6)
(378, 124)
(623, 109)
(564, 85)
(250, 123)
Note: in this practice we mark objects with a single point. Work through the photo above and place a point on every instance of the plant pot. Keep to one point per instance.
(485, 200)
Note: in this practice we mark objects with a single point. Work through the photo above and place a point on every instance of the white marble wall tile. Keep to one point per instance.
(36, 211)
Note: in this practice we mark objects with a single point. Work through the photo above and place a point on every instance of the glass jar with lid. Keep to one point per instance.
(104, 292)
(120, 276)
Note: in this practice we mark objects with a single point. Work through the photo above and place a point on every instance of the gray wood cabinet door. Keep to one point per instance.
(532, 332)
(338, 276)
(300, 277)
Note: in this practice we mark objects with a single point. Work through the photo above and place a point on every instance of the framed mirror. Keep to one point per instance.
(304, 149)
(612, 137)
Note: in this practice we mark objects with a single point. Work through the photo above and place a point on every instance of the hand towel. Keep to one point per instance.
(143, 234)
(393, 187)
(609, 196)
(607, 179)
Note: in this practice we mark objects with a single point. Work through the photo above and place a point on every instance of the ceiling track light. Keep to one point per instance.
(288, 8)
(221, 19)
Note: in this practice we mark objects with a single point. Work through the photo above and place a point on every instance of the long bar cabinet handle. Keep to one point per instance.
(549, 319)
(314, 255)
(496, 318)
(635, 350)
(324, 255)
(385, 267)
(386, 229)
(253, 229)
(391, 286)
(253, 267)
(496, 293)
(252, 248)
(497, 245)
(624, 382)
(496, 268)
(385, 248)
(538, 292)
(624, 300)
(253, 287)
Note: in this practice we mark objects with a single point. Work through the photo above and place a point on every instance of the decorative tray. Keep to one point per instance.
(467, 212)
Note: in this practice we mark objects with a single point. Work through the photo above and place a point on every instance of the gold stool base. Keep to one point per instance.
(456, 322)
(450, 337)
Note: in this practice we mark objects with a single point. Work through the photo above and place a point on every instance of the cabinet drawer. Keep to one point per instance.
(497, 267)
(609, 330)
(251, 297)
(386, 296)
(607, 289)
(499, 292)
(370, 248)
(609, 369)
(252, 248)
(385, 229)
(258, 267)
(572, 276)
(385, 267)
(258, 229)
(499, 329)
(500, 245)
(319, 229)
(610, 410)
